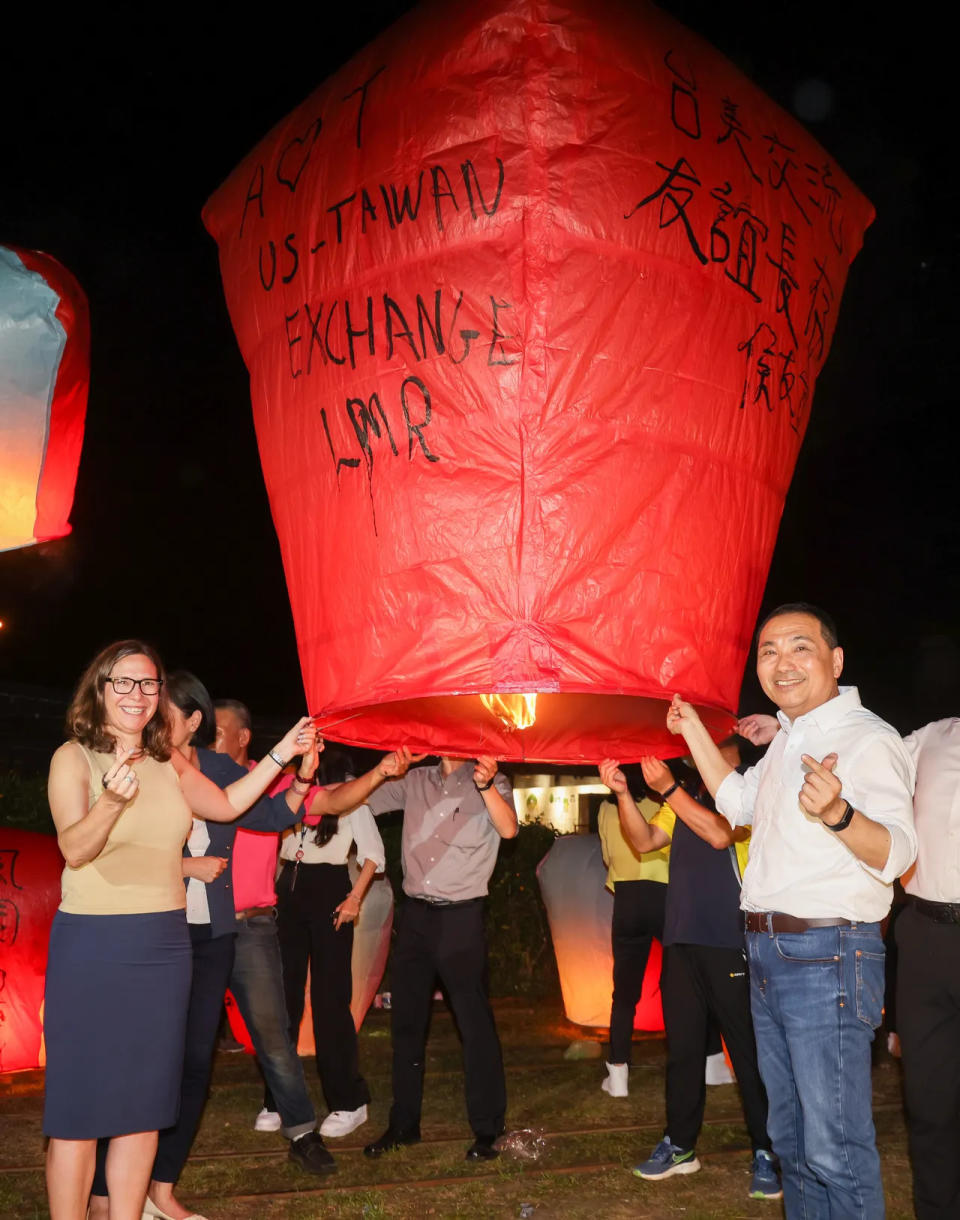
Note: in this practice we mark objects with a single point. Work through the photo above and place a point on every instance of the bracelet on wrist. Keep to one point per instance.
(307, 784)
(276, 758)
(671, 790)
(488, 784)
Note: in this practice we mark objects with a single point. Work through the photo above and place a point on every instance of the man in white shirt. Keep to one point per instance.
(832, 814)
(928, 975)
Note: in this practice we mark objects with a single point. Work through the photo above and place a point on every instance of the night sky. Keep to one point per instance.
(113, 140)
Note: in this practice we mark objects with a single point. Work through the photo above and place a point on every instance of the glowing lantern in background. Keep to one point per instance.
(30, 869)
(44, 379)
(533, 301)
(580, 910)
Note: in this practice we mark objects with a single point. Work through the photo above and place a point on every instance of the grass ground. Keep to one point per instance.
(588, 1142)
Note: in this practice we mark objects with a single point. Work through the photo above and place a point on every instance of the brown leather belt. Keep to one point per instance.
(253, 912)
(775, 921)
(939, 912)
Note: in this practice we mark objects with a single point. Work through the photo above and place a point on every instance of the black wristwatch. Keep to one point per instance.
(844, 821)
(671, 790)
(488, 784)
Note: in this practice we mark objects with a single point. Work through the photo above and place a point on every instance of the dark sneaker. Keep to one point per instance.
(390, 1141)
(765, 1183)
(311, 1154)
(666, 1160)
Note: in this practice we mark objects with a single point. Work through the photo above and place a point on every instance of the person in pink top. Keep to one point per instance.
(257, 977)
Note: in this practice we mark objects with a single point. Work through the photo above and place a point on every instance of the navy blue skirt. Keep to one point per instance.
(115, 1012)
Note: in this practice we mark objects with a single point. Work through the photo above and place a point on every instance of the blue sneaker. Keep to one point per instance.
(666, 1160)
(765, 1183)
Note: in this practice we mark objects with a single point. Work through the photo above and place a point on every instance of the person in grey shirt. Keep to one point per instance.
(454, 816)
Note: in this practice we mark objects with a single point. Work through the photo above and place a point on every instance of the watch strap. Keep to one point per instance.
(844, 821)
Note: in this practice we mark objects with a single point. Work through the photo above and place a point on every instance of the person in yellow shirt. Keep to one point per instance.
(638, 882)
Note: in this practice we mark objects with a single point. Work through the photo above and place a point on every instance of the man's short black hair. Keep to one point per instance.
(827, 626)
(240, 710)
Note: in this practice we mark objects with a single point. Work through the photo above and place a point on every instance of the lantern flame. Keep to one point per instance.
(515, 711)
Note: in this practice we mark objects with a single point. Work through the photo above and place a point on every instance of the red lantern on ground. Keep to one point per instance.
(30, 869)
(533, 302)
(44, 380)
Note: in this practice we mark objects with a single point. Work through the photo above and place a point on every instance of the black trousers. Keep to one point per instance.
(308, 938)
(928, 1022)
(638, 911)
(449, 942)
(212, 963)
(699, 982)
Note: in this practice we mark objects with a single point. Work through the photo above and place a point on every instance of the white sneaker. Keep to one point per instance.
(616, 1081)
(342, 1122)
(717, 1070)
(267, 1120)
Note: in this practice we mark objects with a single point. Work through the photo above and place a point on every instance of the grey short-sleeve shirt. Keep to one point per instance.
(449, 845)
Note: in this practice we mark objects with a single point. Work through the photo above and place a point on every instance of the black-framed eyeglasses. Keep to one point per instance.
(123, 686)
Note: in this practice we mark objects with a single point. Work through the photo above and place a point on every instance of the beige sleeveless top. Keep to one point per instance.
(139, 868)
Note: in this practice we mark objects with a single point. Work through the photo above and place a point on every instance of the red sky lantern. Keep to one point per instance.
(44, 380)
(533, 302)
(30, 868)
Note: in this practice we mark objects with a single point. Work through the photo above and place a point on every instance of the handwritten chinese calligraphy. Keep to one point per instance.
(776, 222)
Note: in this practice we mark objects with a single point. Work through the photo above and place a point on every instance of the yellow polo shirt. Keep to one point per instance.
(623, 863)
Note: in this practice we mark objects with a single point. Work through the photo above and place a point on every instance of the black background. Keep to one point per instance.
(115, 137)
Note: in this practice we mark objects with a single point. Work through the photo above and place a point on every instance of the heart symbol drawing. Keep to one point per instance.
(299, 149)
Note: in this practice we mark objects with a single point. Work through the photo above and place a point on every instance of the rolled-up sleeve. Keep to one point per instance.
(502, 784)
(737, 796)
(389, 796)
(881, 788)
(367, 838)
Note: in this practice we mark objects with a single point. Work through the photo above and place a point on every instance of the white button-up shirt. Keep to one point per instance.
(797, 864)
(357, 827)
(936, 806)
(198, 909)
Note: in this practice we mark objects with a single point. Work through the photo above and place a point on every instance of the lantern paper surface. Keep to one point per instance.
(30, 870)
(533, 298)
(44, 379)
(572, 879)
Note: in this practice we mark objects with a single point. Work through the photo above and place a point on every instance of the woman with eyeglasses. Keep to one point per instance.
(212, 924)
(119, 967)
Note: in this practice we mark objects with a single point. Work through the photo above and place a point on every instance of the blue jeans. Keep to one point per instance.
(817, 998)
(257, 986)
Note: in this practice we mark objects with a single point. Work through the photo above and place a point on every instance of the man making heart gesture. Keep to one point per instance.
(832, 814)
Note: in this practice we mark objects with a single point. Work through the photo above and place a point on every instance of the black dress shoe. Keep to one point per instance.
(390, 1141)
(482, 1150)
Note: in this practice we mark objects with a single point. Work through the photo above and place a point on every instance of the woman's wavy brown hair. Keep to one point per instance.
(85, 715)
